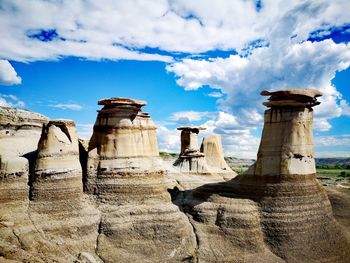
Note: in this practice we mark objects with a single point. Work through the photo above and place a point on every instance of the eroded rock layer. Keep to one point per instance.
(125, 174)
(278, 198)
(19, 135)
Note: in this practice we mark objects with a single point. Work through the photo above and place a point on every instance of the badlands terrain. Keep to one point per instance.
(116, 199)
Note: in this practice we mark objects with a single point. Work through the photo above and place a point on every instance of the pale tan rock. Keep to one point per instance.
(192, 169)
(278, 199)
(19, 135)
(58, 173)
(214, 155)
(191, 160)
(58, 209)
(125, 175)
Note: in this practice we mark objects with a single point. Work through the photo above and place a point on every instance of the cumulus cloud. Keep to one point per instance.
(67, 106)
(122, 29)
(285, 59)
(168, 138)
(8, 75)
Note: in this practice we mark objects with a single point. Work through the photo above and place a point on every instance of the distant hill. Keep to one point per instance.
(333, 161)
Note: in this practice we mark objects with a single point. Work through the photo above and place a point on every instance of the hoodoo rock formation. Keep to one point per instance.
(58, 173)
(19, 135)
(195, 167)
(109, 202)
(277, 211)
(191, 160)
(125, 174)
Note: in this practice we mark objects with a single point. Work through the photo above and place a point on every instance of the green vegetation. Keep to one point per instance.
(333, 173)
(166, 154)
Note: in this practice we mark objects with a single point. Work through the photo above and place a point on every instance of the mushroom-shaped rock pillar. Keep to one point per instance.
(286, 145)
(123, 144)
(126, 176)
(191, 160)
(295, 209)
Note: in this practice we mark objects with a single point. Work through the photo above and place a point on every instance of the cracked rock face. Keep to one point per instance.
(125, 175)
(277, 211)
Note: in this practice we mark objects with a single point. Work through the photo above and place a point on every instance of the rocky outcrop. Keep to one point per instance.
(277, 211)
(125, 175)
(19, 135)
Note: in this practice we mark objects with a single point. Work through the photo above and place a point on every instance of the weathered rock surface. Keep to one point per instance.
(59, 222)
(125, 174)
(277, 211)
(19, 135)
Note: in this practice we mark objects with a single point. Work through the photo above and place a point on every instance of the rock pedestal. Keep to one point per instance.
(278, 198)
(125, 175)
(191, 160)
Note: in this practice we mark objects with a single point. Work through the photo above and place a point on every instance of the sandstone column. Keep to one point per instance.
(58, 173)
(278, 203)
(126, 177)
(191, 160)
(19, 135)
(295, 210)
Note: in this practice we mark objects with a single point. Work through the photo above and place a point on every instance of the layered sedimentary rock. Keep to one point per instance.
(125, 174)
(60, 223)
(58, 173)
(277, 211)
(19, 135)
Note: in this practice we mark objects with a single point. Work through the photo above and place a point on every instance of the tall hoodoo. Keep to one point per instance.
(292, 216)
(124, 143)
(286, 145)
(19, 135)
(125, 174)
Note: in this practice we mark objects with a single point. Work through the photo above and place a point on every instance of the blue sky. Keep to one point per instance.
(194, 63)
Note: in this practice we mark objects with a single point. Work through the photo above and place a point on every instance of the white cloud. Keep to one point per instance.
(186, 117)
(117, 29)
(332, 140)
(345, 108)
(9, 100)
(67, 106)
(8, 75)
(215, 94)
